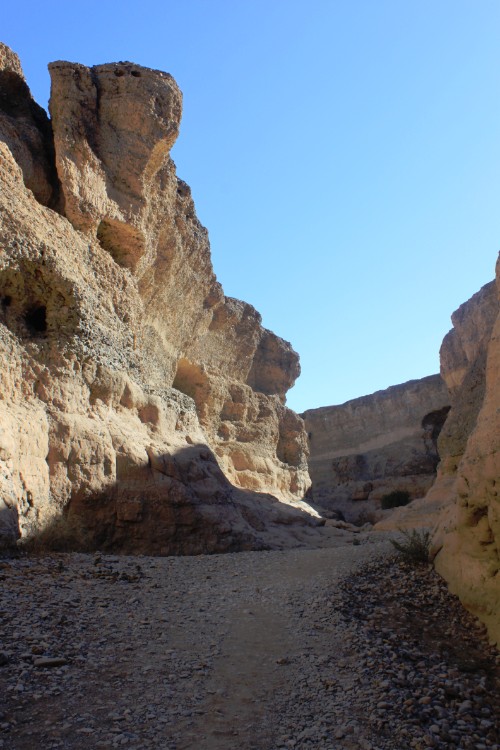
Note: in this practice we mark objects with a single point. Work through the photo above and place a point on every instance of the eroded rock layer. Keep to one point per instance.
(131, 389)
(371, 446)
(463, 506)
(467, 539)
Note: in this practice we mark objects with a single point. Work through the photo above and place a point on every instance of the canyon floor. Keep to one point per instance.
(339, 648)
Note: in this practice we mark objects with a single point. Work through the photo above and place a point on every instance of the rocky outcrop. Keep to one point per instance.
(25, 129)
(467, 539)
(462, 507)
(368, 447)
(132, 390)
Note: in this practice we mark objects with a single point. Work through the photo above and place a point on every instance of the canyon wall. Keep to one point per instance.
(370, 446)
(467, 538)
(463, 507)
(133, 393)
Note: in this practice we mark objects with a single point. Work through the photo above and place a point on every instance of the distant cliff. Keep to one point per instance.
(368, 447)
(133, 393)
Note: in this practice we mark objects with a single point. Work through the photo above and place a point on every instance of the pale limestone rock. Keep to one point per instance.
(125, 370)
(467, 539)
(373, 445)
(25, 128)
(119, 185)
(463, 360)
(463, 507)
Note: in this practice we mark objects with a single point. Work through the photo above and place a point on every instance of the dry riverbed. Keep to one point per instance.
(337, 648)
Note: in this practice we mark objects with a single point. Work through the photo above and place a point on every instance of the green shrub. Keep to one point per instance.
(414, 547)
(394, 499)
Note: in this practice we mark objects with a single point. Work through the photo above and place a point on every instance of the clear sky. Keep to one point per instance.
(343, 154)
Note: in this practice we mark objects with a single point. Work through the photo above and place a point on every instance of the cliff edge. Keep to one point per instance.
(462, 506)
(467, 538)
(133, 393)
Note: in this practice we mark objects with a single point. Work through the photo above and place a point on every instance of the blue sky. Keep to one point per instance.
(344, 156)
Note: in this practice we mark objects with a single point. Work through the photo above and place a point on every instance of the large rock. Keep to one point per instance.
(131, 389)
(25, 128)
(463, 507)
(467, 539)
(370, 446)
(113, 128)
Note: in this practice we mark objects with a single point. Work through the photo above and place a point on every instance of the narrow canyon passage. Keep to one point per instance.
(257, 650)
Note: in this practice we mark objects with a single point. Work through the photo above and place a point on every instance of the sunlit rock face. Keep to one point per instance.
(131, 389)
(370, 446)
(467, 540)
(463, 505)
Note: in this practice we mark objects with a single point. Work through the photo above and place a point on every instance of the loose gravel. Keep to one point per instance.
(340, 648)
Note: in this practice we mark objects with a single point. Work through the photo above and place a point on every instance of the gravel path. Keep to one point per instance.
(338, 648)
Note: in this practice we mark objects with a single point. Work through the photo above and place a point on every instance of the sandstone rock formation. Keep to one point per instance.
(131, 389)
(370, 446)
(25, 128)
(463, 505)
(467, 540)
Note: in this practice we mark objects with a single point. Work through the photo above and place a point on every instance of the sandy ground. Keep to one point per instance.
(258, 651)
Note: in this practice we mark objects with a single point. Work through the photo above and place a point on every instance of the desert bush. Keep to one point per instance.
(394, 499)
(65, 533)
(414, 547)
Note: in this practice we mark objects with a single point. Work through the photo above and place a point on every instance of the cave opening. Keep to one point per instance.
(433, 423)
(36, 320)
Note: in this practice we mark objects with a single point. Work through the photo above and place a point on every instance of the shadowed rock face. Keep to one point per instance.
(25, 128)
(128, 377)
(368, 447)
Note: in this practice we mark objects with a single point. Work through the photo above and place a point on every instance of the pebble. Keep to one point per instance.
(333, 649)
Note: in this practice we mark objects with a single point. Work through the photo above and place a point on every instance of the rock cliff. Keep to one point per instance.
(467, 538)
(462, 506)
(370, 446)
(133, 393)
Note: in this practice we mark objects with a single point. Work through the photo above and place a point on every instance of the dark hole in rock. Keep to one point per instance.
(6, 301)
(119, 72)
(434, 421)
(135, 73)
(36, 319)
(183, 190)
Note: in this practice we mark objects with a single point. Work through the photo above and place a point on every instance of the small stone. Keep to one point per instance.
(49, 662)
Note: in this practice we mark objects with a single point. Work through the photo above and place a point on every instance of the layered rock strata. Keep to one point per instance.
(370, 446)
(131, 389)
